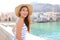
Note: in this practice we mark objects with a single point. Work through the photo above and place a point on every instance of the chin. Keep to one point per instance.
(25, 16)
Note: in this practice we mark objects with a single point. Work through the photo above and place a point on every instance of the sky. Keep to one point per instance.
(9, 5)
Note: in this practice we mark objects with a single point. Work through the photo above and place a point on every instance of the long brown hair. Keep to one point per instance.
(26, 20)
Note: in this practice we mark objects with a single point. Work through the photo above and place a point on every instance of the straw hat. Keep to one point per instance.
(19, 7)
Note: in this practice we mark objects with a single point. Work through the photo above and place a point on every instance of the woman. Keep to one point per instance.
(23, 13)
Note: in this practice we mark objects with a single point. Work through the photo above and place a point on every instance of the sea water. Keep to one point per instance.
(48, 30)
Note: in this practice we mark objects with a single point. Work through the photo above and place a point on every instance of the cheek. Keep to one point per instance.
(21, 13)
(26, 13)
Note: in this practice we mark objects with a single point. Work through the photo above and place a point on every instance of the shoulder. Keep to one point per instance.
(19, 21)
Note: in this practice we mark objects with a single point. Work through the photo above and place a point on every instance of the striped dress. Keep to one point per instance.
(23, 33)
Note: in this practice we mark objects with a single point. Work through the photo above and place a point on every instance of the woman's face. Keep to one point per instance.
(24, 12)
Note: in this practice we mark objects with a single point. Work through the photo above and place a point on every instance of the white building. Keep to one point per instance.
(52, 15)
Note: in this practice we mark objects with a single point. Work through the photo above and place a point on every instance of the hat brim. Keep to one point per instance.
(19, 7)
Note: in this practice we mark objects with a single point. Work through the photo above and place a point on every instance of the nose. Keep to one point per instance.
(25, 12)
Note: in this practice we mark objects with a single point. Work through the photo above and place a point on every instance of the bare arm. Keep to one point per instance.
(19, 29)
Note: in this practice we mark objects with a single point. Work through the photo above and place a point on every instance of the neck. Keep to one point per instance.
(22, 18)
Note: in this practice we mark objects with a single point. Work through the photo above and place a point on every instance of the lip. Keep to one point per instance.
(25, 14)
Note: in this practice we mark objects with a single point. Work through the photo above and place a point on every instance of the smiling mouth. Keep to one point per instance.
(24, 14)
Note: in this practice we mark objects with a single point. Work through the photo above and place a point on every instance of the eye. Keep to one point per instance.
(23, 10)
(26, 10)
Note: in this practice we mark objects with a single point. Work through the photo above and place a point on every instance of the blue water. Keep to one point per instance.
(50, 30)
